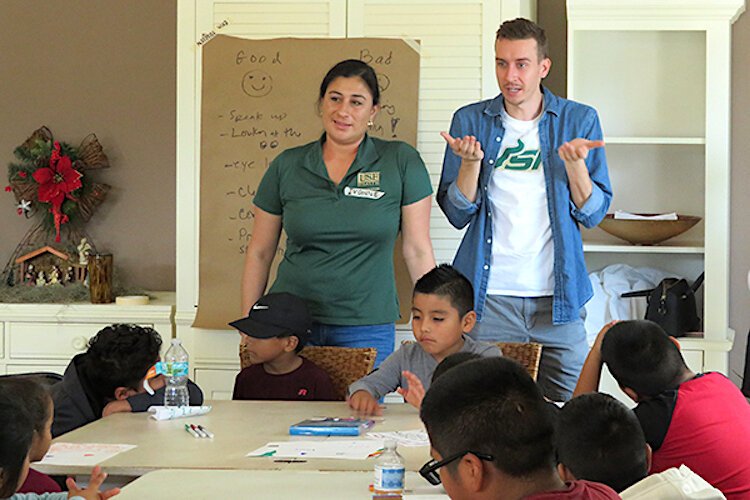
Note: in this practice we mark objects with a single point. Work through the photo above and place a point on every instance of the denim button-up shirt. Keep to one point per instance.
(562, 120)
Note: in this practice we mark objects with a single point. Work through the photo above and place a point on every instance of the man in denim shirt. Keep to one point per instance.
(523, 170)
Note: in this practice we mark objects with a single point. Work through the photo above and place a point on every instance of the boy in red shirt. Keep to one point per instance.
(274, 332)
(699, 420)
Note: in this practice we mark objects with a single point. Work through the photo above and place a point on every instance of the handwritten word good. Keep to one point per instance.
(243, 57)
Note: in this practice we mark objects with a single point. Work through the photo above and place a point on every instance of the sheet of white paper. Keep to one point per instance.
(82, 453)
(623, 215)
(417, 437)
(346, 449)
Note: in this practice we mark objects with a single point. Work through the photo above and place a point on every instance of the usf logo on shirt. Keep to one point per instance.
(519, 158)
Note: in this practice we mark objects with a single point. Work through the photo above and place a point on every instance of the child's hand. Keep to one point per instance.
(363, 403)
(92, 490)
(414, 393)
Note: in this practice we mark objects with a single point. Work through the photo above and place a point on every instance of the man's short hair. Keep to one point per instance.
(445, 280)
(600, 439)
(640, 355)
(120, 356)
(523, 29)
(491, 406)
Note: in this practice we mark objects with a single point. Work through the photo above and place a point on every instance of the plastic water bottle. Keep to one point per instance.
(389, 471)
(176, 368)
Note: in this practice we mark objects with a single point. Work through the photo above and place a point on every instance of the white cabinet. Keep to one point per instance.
(44, 337)
(658, 72)
(457, 67)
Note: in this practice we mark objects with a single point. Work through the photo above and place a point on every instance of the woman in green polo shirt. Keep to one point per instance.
(342, 201)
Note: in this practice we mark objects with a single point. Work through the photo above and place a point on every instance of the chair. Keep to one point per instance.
(527, 354)
(344, 365)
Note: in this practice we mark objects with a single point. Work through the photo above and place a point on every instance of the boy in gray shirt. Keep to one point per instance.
(442, 316)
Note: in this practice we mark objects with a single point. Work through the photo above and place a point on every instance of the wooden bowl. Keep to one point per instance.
(647, 232)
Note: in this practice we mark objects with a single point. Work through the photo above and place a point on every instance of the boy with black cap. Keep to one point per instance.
(274, 332)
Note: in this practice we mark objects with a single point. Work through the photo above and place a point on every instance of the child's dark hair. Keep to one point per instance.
(491, 406)
(350, 68)
(16, 433)
(523, 29)
(446, 281)
(120, 356)
(600, 439)
(34, 397)
(451, 361)
(640, 355)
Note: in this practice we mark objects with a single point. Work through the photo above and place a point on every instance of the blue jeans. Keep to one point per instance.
(381, 337)
(529, 319)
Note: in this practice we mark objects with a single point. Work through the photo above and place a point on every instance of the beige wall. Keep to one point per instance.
(108, 67)
(551, 15)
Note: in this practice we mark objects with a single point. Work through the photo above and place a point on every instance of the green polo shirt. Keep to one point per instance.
(340, 239)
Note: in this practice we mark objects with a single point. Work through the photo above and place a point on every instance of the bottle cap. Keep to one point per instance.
(176, 341)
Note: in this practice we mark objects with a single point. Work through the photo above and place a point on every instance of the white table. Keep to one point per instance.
(239, 427)
(276, 485)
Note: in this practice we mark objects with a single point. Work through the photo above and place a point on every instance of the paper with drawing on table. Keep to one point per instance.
(416, 437)
(359, 449)
(83, 453)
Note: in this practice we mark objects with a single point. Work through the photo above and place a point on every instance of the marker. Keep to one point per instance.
(198, 431)
(206, 431)
(191, 431)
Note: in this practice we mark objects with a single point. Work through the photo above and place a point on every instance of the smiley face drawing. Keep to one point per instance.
(257, 83)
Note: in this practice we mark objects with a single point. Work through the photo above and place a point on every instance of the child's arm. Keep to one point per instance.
(91, 492)
(591, 372)
(384, 379)
(363, 403)
(414, 392)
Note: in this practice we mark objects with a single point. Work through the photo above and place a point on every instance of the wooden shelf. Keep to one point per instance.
(608, 247)
(635, 140)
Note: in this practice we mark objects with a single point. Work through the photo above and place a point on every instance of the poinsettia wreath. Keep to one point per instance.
(51, 175)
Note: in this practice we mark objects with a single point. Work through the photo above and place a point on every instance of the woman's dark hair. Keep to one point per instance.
(16, 433)
(348, 69)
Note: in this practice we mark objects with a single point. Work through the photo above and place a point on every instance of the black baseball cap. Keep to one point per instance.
(276, 315)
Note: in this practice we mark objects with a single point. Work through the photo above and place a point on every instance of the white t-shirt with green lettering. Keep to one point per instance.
(522, 247)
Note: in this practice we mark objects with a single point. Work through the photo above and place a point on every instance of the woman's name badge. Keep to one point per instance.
(363, 193)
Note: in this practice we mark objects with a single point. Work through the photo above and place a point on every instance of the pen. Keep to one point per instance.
(206, 431)
(198, 431)
(191, 431)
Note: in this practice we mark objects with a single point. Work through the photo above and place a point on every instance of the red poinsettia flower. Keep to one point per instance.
(57, 182)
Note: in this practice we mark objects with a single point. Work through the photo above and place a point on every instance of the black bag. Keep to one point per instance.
(672, 305)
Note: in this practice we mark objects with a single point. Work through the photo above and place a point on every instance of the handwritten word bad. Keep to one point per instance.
(366, 56)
